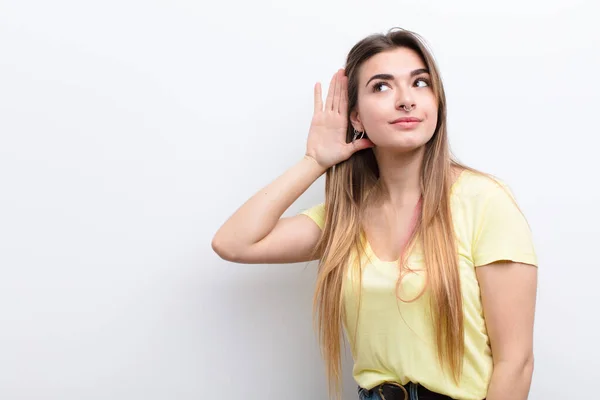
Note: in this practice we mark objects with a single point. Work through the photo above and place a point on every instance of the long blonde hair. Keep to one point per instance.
(347, 187)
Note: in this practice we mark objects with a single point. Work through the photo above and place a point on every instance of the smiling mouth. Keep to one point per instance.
(406, 120)
(406, 124)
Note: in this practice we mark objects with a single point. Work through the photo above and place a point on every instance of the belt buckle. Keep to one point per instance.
(406, 397)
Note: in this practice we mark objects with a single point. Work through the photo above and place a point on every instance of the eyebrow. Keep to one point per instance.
(389, 77)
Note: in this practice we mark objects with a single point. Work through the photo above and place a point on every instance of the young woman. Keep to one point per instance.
(427, 264)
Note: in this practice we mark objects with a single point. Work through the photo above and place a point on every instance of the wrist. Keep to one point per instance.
(314, 164)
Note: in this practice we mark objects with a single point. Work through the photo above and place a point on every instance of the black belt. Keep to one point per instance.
(395, 391)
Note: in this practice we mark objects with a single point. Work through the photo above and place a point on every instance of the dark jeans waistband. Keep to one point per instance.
(395, 391)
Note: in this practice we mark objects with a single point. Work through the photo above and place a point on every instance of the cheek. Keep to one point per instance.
(431, 121)
(373, 111)
(430, 108)
(429, 103)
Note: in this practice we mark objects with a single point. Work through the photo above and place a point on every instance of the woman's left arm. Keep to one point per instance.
(508, 293)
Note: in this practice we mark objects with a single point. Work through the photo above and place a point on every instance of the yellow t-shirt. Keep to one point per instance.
(395, 340)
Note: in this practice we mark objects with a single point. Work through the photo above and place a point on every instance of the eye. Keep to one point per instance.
(423, 80)
(378, 86)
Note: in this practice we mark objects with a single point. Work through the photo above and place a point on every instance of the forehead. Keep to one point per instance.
(398, 62)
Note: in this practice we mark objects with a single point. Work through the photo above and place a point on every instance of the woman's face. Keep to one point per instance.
(387, 82)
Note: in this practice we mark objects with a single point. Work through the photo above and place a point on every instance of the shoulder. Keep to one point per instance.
(488, 212)
(481, 198)
(475, 186)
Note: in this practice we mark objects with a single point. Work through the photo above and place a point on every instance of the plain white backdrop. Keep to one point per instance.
(130, 130)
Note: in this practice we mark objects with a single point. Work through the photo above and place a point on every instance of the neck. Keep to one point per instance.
(400, 176)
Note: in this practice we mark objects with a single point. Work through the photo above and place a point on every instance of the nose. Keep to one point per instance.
(405, 101)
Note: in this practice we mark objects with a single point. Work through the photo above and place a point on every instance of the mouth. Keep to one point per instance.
(406, 122)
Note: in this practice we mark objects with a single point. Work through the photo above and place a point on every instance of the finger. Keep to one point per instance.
(343, 96)
(336, 94)
(329, 101)
(318, 98)
(360, 144)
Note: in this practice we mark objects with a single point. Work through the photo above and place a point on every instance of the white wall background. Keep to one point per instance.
(130, 130)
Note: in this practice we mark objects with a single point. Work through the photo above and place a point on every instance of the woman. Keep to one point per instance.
(427, 264)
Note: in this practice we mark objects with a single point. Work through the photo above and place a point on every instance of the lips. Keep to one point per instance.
(405, 120)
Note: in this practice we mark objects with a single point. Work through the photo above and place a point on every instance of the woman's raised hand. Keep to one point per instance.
(326, 142)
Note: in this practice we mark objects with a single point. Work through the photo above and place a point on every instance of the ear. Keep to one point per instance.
(355, 119)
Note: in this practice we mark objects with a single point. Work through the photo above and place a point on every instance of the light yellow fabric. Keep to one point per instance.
(395, 340)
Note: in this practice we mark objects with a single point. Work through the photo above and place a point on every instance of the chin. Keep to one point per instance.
(403, 145)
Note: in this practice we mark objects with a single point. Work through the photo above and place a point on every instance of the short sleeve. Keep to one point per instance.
(502, 232)
(317, 214)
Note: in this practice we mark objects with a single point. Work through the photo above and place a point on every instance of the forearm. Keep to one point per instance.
(510, 381)
(257, 217)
